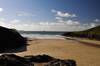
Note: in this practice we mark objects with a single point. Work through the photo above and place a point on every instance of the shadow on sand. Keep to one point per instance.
(90, 44)
(15, 50)
(85, 43)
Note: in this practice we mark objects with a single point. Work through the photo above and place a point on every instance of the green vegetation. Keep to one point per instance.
(93, 33)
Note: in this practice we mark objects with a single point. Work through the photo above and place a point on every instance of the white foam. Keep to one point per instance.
(39, 36)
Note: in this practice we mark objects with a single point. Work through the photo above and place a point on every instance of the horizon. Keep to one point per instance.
(50, 15)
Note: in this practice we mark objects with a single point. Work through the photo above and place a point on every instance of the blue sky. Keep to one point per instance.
(50, 15)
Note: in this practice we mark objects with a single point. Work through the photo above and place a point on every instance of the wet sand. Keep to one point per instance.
(84, 54)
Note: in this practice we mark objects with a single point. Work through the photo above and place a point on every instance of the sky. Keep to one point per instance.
(50, 15)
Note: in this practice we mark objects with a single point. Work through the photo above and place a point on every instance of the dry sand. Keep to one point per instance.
(84, 54)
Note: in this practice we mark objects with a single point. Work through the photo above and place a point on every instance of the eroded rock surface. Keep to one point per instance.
(14, 60)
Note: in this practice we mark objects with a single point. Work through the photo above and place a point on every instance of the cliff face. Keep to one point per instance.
(10, 39)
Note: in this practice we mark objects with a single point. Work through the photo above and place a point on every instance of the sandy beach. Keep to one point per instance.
(84, 54)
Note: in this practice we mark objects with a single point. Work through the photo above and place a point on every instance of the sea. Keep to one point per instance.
(42, 34)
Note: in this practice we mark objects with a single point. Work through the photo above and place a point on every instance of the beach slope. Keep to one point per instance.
(83, 54)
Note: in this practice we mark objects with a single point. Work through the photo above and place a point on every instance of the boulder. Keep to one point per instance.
(10, 39)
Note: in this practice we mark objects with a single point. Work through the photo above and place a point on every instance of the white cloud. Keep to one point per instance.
(59, 19)
(2, 23)
(15, 21)
(1, 9)
(61, 23)
(2, 19)
(97, 20)
(44, 23)
(47, 26)
(71, 22)
(92, 25)
(40, 26)
(63, 14)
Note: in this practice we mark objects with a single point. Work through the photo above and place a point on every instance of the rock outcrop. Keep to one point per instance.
(10, 39)
(39, 58)
(58, 62)
(13, 60)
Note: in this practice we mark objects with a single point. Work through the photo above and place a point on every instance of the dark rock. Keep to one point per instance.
(39, 58)
(13, 60)
(10, 39)
(50, 60)
(58, 62)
